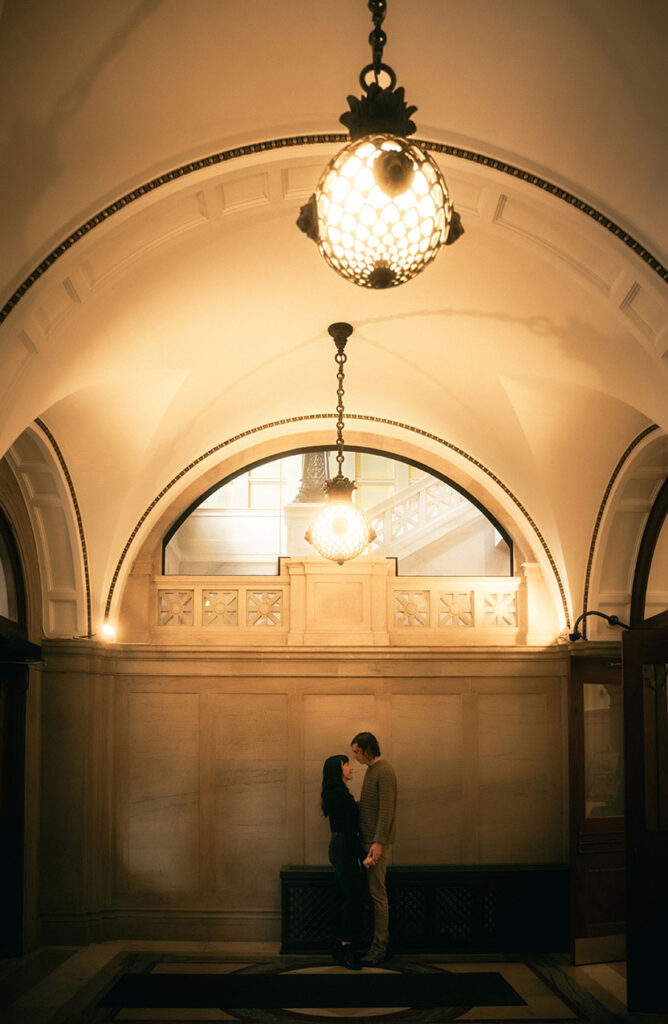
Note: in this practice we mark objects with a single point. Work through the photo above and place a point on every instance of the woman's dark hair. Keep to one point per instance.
(367, 743)
(332, 778)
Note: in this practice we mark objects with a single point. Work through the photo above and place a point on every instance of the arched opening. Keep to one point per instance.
(12, 593)
(15, 652)
(245, 523)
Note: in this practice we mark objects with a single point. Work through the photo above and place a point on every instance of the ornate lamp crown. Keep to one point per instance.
(340, 531)
(381, 210)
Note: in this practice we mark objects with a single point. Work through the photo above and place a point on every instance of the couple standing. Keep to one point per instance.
(361, 835)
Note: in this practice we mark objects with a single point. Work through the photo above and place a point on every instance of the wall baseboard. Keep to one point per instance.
(155, 924)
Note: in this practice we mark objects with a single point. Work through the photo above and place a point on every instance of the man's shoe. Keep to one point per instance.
(373, 958)
(351, 959)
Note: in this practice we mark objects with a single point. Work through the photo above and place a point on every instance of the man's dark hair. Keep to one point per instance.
(367, 743)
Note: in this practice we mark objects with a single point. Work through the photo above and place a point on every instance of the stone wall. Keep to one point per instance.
(177, 782)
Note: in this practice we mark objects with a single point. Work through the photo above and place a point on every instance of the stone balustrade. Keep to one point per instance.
(362, 603)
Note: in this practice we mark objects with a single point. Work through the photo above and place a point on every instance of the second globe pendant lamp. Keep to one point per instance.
(340, 530)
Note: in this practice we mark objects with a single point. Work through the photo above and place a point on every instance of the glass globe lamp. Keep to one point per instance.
(340, 531)
(383, 211)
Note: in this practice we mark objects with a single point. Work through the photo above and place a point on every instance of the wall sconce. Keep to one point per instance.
(381, 210)
(340, 531)
(612, 620)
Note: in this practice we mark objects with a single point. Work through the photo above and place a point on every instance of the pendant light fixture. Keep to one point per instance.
(340, 531)
(381, 210)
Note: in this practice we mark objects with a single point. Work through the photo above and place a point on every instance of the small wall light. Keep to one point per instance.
(612, 620)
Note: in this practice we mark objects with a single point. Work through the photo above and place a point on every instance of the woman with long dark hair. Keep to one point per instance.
(338, 804)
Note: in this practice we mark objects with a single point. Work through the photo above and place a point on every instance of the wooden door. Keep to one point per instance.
(645, 659)
(597, 827)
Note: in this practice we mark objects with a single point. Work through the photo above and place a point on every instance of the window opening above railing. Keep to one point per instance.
(247, 522)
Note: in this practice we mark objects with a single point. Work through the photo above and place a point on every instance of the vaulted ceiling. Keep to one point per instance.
(157, 303)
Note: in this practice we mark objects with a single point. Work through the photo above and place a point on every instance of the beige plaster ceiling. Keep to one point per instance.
(536, 345)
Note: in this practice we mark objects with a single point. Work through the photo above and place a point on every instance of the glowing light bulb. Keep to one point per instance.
(392, 202)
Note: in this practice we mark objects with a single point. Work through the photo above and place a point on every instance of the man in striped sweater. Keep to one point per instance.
(377, 828)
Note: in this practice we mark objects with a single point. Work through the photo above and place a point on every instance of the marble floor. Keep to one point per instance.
(59, 985)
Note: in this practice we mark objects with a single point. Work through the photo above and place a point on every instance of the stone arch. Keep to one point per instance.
(15, 511)
(631, 494)
(50, 501)
(142, 555)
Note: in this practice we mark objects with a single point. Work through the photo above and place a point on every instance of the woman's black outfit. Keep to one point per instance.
(344, 855)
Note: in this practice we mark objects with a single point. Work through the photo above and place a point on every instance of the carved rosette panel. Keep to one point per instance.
(220, 608)
(500, 610)
(411, 608)
(455, 609)
(175, 607)
(264, 607)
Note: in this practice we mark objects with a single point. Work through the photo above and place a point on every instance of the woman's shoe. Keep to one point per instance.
(351, 959)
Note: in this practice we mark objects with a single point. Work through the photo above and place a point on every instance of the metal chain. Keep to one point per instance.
(340, 359)
(377, 37)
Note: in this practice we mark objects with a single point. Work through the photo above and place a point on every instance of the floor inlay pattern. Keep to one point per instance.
(428, 990)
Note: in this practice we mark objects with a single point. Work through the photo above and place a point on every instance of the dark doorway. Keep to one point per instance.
(13, 686)
(15, 654)
(645, 662)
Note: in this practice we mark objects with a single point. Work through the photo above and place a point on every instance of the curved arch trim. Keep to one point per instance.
(77, 511)
(321, 139)
(351, 416)
(597, 525)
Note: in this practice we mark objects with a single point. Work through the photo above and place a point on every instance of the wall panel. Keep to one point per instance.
(208, 781)
(517, 818)
(427, 744)
(251, 796)
(161, 814)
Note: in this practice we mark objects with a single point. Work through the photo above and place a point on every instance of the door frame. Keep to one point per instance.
(597, 845)
(646, 742)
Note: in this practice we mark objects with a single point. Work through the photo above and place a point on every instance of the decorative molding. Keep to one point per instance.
(315, 603)
(224, 156)
(77, 511)
(455, 609)
(411, 608)
(220, 608)
(175, 607)
(264, 608)
(500, 609)
(597, 525)
(350, 416)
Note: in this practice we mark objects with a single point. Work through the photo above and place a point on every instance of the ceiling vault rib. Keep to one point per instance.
(363, 417)
(323, 139)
